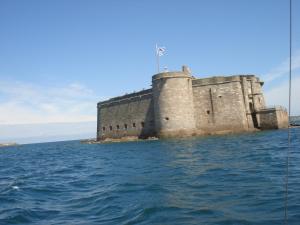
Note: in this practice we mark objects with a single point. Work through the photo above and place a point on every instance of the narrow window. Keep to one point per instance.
(118, 127)
(125, 126)
(143, 124)
(208, 112)
(103, 128)
(133, 125)
(110, 127)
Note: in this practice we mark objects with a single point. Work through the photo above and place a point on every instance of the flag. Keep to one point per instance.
(160, 50)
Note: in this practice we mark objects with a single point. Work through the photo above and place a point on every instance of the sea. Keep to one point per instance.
(225, 179)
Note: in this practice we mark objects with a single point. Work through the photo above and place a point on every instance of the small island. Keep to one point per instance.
(8, 144)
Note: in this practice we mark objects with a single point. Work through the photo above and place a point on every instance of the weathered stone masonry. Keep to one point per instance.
(180, 105)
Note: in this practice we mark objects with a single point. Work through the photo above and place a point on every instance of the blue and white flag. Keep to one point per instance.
(160, 50)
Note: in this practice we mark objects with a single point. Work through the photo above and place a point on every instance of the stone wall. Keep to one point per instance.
(180, 105)
(273, 118)
(253, 98)
(173, 104)
(219, 104)
(128, 115)
(255, 86)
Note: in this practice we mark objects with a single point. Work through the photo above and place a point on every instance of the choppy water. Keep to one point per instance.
(234, 179)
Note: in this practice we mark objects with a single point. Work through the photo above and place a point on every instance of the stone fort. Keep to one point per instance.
(178, 104)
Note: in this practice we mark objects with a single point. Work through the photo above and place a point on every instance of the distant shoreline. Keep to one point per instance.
(8, 144)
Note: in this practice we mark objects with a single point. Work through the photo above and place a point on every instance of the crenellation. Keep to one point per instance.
(126, 98)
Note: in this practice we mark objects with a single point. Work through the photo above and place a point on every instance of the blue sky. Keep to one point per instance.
(59, 57)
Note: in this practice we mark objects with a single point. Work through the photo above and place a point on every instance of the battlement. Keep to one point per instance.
(220, 79)
(175, 74)
(126, 98)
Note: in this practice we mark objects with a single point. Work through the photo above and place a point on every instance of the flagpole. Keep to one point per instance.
(157, 58)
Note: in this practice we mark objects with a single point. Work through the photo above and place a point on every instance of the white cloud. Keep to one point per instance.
(32, 133)
(283, 68)
(278, 95)
(24, 103)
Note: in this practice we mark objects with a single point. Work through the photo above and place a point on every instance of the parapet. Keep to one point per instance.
(177, 74)
(185, 73)
(220, 79)
(126, 98)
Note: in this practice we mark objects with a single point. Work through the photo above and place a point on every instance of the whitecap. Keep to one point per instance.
(15, 187)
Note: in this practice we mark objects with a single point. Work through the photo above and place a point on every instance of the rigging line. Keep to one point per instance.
(289, 126)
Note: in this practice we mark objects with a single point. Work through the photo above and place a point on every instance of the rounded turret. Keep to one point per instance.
(173, 103)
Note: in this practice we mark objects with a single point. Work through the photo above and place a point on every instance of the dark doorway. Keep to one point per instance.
(253, 115)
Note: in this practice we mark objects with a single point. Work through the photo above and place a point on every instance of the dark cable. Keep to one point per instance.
(289, 126)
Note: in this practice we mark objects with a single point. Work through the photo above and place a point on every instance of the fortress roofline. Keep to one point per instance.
(225, 79)
(173, 74)
(226, 76)
(184, 73)
(126, 96)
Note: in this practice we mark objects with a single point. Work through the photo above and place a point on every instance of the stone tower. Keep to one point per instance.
(173, 103)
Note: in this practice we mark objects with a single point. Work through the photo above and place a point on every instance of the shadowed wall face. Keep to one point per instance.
(273, 118)
(128, 116)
